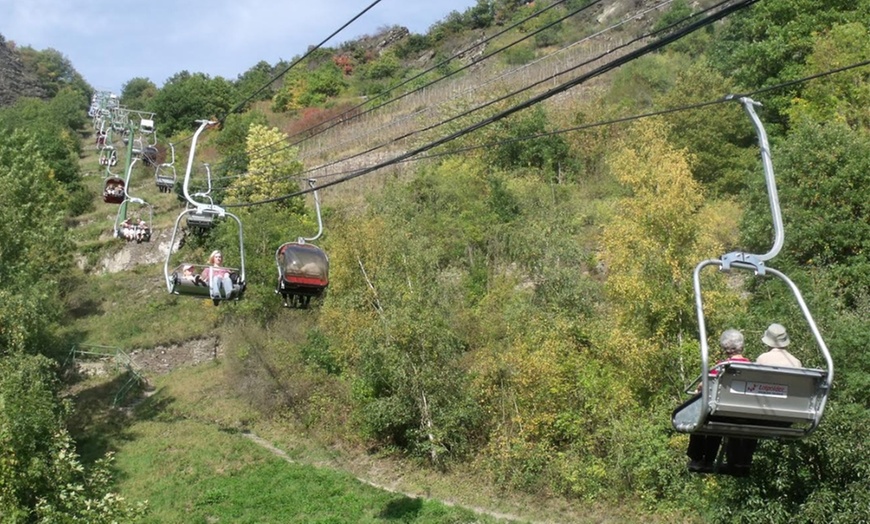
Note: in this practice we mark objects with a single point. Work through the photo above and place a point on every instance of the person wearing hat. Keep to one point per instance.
(776, 338)
(217, 277)
(187, 274)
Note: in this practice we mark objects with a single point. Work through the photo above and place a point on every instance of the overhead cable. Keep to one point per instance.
(633, 55)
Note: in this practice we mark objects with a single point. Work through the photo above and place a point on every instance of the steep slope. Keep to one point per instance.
(15, 80)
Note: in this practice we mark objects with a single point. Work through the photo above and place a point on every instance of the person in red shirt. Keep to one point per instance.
(704, 448)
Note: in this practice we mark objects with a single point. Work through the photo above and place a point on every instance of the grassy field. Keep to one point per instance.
(184, 450)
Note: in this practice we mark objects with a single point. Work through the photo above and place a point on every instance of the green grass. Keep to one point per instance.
(182, 451)
(193, 472)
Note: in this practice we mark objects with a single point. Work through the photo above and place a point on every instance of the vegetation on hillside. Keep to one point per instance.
(522, 309)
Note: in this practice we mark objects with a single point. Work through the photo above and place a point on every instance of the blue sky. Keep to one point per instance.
(112, 42)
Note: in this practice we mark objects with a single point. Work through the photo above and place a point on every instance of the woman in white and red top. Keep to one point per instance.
(217, 276)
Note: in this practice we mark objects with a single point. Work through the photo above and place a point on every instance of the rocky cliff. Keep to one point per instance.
(15, 80)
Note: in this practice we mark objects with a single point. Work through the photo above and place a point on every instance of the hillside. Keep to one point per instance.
(511, 311)
(15, 80)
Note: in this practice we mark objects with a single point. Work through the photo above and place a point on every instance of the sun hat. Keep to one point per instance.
(775, 336)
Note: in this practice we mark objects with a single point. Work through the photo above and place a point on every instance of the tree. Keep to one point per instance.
(254, 79)
(138, 93)
(720, 138)
(822, 169)
(657, 234)
(54, 71)
(516, 150)
(41, 476)
(844, 97)
(54, 142)
(271, 167)
(186, 98)
(31, 215)
(769, 43)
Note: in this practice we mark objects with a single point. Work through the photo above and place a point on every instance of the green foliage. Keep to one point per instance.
(231, 142)
(770, 43)
(31, 215)
(324, 83)
(637, 84)
(47, 125)
(515, 149)
(547, 36)
(138, 93)
(412, 46)
(30, 420)
(654, 240)
(677, 11)
(824, 203)
(720, 138)
(518, 54)
(41, 477)
(186, 98)
(54, 71)
(254, 79)
(385, 67)
(271, 167)
(843, 97)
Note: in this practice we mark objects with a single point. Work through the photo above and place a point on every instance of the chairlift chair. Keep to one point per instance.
(303, 272)
(108, 156)
(200, 221)
(165, 174)
(146, 126)
(303, 268)
(180, 278)
(750, 400)
(149, 156)
(113, 190)
(138, 231)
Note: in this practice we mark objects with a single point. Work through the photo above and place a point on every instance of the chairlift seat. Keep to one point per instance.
(189, 286)
(303, 268)
(146, 125)
(753, 400)
(200, 220)
(113, 197)
(149, 156)
(166, 183)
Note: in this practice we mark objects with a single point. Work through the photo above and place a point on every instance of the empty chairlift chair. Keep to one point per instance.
(165, 174)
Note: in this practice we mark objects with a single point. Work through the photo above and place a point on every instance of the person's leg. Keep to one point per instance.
(228, 286)
(214, 287)
(702, 452)
(711, 449)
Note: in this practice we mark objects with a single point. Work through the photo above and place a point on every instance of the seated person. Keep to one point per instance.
(217, 277)
(187, 275)
(703, 449)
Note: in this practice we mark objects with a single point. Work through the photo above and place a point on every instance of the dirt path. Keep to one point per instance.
(480, 511)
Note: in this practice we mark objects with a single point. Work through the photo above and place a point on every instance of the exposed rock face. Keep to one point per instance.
(15, 80)
(391, 37)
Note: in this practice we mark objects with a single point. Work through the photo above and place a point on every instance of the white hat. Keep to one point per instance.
(775, 336)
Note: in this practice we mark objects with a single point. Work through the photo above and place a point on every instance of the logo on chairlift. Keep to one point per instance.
(761, 389)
